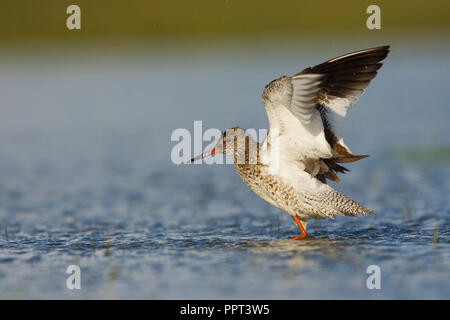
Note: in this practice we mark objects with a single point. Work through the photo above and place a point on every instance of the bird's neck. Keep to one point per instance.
(248, 153)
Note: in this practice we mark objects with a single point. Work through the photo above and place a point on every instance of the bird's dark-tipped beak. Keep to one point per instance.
(206, 154)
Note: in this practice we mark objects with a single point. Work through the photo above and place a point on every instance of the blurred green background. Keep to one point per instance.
(44, 21)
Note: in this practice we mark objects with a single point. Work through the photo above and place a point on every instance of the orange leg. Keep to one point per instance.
(303, 233)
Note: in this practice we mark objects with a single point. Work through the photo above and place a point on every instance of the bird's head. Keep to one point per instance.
(232, 142)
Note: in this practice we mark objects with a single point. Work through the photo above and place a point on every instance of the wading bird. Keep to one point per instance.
(303, 148)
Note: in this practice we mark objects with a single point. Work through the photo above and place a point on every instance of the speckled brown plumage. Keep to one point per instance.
(305, 206)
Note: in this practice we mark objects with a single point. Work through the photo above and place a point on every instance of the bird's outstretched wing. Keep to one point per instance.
(304, 110)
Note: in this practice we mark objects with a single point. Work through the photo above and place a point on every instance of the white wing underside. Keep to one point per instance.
(296, 125)
(296, 133)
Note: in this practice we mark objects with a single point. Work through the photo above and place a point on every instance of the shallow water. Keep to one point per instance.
(86, 179)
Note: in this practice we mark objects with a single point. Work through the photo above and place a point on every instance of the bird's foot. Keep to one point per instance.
(300, 237)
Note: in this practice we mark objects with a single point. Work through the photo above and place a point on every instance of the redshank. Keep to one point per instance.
(303, 148)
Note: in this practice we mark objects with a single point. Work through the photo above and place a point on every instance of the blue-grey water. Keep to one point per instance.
(86, 179)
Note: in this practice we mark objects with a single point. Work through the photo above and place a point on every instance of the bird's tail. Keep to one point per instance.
(332, 202)
(350, 158)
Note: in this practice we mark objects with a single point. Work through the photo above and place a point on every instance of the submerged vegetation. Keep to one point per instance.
(436, 235)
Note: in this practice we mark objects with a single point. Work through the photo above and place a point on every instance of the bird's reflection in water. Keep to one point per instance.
(289, 257)
(325, 246)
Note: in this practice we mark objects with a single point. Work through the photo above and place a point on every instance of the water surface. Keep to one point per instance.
(86, 179)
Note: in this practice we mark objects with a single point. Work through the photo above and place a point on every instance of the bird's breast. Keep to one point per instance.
(268, 187)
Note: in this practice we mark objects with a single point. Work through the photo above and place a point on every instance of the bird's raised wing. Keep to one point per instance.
(346, 77)
(305, 109)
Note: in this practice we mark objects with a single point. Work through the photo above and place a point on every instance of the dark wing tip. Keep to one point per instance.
(377, 52)
(351, 61)
(349, 74)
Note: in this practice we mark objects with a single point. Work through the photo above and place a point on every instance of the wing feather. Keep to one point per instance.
(346, 77)
(307, 108)
(304, 95)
